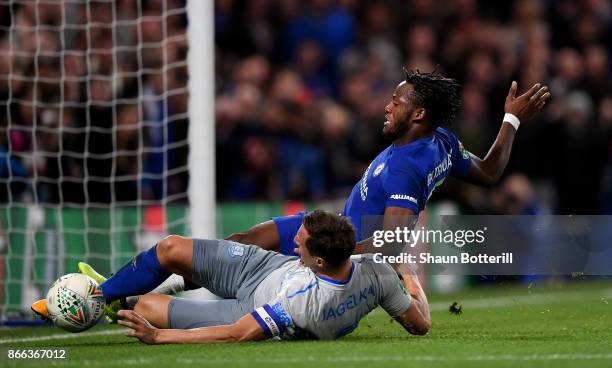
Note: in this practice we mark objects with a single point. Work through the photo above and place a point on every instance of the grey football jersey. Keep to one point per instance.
(293, 302)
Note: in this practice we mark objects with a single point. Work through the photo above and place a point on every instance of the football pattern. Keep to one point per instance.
(75, 302)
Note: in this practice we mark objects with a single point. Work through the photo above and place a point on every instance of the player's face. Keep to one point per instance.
(398, 112)
(306, 259)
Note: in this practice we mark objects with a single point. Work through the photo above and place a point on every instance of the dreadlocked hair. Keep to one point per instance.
(437, 94)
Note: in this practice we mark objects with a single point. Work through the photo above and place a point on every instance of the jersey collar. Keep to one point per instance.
(426, 140)
(335, 282)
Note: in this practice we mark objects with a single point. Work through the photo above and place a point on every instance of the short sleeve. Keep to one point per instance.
(395, 299)
(405, 188)
(287, 312)
(461, 158)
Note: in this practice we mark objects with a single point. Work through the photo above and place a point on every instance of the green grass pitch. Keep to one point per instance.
(559, 325)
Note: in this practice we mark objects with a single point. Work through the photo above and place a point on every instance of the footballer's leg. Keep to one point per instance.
(226, 268)
(194, 259)
(150, 268)
(175, 255)
(164, 311)
(142, 274)
(218, 265)
(264, 235)
(173, 285)
(154, 308)
(276, 235)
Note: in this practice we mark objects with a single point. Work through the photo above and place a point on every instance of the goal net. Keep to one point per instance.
(93, 137)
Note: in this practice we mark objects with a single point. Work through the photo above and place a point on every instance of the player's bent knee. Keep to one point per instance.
(238, 237)
(144, 306)
(154, 308)
(174, 250)
(264, 235)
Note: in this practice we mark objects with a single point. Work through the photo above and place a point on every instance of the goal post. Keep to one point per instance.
(202, 117)
(106, 135)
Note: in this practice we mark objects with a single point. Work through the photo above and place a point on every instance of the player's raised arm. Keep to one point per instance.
(245, 329)
(487, 171)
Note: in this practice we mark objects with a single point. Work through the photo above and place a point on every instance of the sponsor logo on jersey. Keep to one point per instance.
(439, 170)
(273, 327)
(378, 170)
(268, 321)
(235, 251)
(404, 197)
(363, 185)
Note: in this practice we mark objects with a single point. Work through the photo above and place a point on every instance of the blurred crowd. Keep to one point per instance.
(94, 101)
(301, 88)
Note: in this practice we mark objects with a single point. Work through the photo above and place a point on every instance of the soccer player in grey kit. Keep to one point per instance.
(322, 294)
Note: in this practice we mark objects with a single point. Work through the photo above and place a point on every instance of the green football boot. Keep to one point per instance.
(110, 310)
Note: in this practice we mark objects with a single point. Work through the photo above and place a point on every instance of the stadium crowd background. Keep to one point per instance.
(302, 85)
(300, 93)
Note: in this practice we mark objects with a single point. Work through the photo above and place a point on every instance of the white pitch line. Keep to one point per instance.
(351, 359)
(401, 358)
(64, 336)
(494, 302)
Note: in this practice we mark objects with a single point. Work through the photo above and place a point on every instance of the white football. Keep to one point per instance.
(75, 302)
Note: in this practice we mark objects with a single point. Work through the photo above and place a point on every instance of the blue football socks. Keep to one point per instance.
(139, 276)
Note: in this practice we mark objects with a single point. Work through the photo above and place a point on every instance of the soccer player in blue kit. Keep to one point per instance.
(400, 180)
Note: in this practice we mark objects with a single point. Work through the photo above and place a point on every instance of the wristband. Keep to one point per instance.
(512, 120)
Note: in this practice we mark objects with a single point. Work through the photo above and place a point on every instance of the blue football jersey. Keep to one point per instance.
(406, 176)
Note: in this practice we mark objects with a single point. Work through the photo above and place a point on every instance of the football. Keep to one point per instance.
(75, 302)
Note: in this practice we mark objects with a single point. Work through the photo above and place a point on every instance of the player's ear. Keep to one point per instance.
(320, 262)
(419, 115)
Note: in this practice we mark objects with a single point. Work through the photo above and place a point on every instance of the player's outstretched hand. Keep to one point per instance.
(527, 104)
(142, 329)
